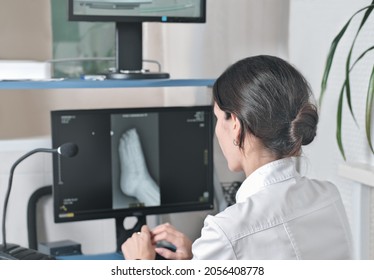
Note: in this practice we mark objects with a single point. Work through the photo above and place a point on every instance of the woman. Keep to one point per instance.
(264, 116)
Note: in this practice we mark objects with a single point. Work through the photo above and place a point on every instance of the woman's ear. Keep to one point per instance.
(236, 127)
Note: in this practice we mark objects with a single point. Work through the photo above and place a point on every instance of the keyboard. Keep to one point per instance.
(16, 252)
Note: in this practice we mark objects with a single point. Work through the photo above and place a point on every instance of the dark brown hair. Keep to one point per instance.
(272, 101)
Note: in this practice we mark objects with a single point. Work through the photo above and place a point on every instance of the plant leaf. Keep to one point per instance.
(369, 108)
(340, 105)
(348, 62)
(339, 122)
(330, 58)
(346, 84)
(332, 50)
(361, 56)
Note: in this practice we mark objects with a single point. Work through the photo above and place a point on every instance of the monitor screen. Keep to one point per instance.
(128, 15)
(132, 162)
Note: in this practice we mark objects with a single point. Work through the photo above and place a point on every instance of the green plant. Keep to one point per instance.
(346, 86)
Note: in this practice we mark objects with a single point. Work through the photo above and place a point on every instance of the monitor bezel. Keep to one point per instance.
(139, 19)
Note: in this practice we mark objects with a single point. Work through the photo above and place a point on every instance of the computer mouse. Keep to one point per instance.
(167, 245)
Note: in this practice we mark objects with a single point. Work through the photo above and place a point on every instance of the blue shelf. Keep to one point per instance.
(76, 83)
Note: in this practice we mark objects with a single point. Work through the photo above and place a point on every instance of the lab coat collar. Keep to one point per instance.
(268, 174)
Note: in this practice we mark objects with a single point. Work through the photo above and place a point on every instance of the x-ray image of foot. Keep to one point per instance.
(135, 179)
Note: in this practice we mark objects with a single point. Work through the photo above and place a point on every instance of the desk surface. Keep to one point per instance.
(108, 256)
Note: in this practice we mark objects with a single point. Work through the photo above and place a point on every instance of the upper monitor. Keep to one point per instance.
(138, 10)
(129, 16)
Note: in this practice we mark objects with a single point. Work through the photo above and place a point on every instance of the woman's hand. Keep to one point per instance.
(183, 244)
(139, 246)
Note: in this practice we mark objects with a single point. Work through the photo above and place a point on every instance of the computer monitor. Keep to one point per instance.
(129, 16)
(132, 162)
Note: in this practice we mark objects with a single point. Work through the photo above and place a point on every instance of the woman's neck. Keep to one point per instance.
(255, 156)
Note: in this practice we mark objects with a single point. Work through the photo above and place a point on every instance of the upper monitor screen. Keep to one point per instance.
(133, 162)
(139, 10)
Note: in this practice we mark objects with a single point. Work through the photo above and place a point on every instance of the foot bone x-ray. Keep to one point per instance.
(135, 179)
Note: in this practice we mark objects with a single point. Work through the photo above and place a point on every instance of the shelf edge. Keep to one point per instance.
(362, 173)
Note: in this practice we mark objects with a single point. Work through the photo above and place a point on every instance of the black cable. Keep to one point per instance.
(31, 214)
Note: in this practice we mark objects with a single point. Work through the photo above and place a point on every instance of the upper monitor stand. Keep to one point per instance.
(129, 54)
(137, 75)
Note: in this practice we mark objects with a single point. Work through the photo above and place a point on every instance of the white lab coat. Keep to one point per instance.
(278, 215)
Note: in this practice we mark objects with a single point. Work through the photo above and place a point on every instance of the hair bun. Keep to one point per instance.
(304, 126)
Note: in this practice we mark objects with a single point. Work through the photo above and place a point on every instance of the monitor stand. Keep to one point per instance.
(129, 54)
(122, 234)
(137, 75)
